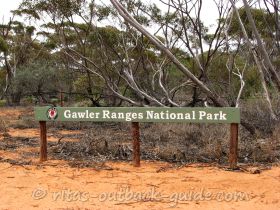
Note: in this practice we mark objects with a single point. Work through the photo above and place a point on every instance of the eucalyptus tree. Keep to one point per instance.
(18, 48)
(272, 8)
(112, 56)
(251, 48)
(183, 9)
(70, 27)
(149, 57)
(262, 49)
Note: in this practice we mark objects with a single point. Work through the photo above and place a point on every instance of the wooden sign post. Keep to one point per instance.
(136, 115)
(233, 147)
(136, 144)
(43, 141)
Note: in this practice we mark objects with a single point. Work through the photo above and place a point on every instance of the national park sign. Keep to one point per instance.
(136, 115)
(139, 114)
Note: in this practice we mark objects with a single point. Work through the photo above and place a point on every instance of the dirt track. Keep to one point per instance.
(55, 185)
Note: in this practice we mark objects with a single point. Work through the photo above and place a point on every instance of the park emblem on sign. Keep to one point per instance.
(52, 113)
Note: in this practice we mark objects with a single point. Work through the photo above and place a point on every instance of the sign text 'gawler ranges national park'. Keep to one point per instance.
(139, 114)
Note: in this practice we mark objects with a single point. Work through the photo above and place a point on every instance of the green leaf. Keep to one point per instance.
(3, 45)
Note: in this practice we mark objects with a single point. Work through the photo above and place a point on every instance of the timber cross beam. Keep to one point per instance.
(136, 115)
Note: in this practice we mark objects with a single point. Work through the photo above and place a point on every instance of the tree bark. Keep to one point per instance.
(265, 55)
(257, 61)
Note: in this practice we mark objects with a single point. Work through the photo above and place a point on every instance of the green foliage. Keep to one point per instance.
(35, 78)
(253, 83)
(3, 103)
(50, 44)
(262, 19)
(3, 45)
(113, 49)
(2, 78)
(81, 87)
(103, 12)
(29, 12)
(219, 75)
(109, 35)
(59, 7)
(30, 30)
(30, 100)
(18, 27)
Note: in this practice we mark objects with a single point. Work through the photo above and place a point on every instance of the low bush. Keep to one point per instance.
(3, 103)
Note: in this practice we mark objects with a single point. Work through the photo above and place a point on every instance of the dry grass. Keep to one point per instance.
(3, 126)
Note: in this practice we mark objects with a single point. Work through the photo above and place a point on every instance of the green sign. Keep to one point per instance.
(139, 114)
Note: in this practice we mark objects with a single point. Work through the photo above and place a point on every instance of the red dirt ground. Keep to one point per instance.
(55, 185)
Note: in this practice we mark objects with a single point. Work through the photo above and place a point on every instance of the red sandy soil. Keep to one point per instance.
(54, 185)
(119, 185)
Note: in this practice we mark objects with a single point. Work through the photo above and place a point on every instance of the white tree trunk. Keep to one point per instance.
(265, 55)
(257, 61)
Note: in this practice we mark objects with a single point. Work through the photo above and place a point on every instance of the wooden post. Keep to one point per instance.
(43, 141)
(136, 144)
(233, 149)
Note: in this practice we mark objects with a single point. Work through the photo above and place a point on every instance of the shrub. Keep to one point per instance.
(3, 103)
